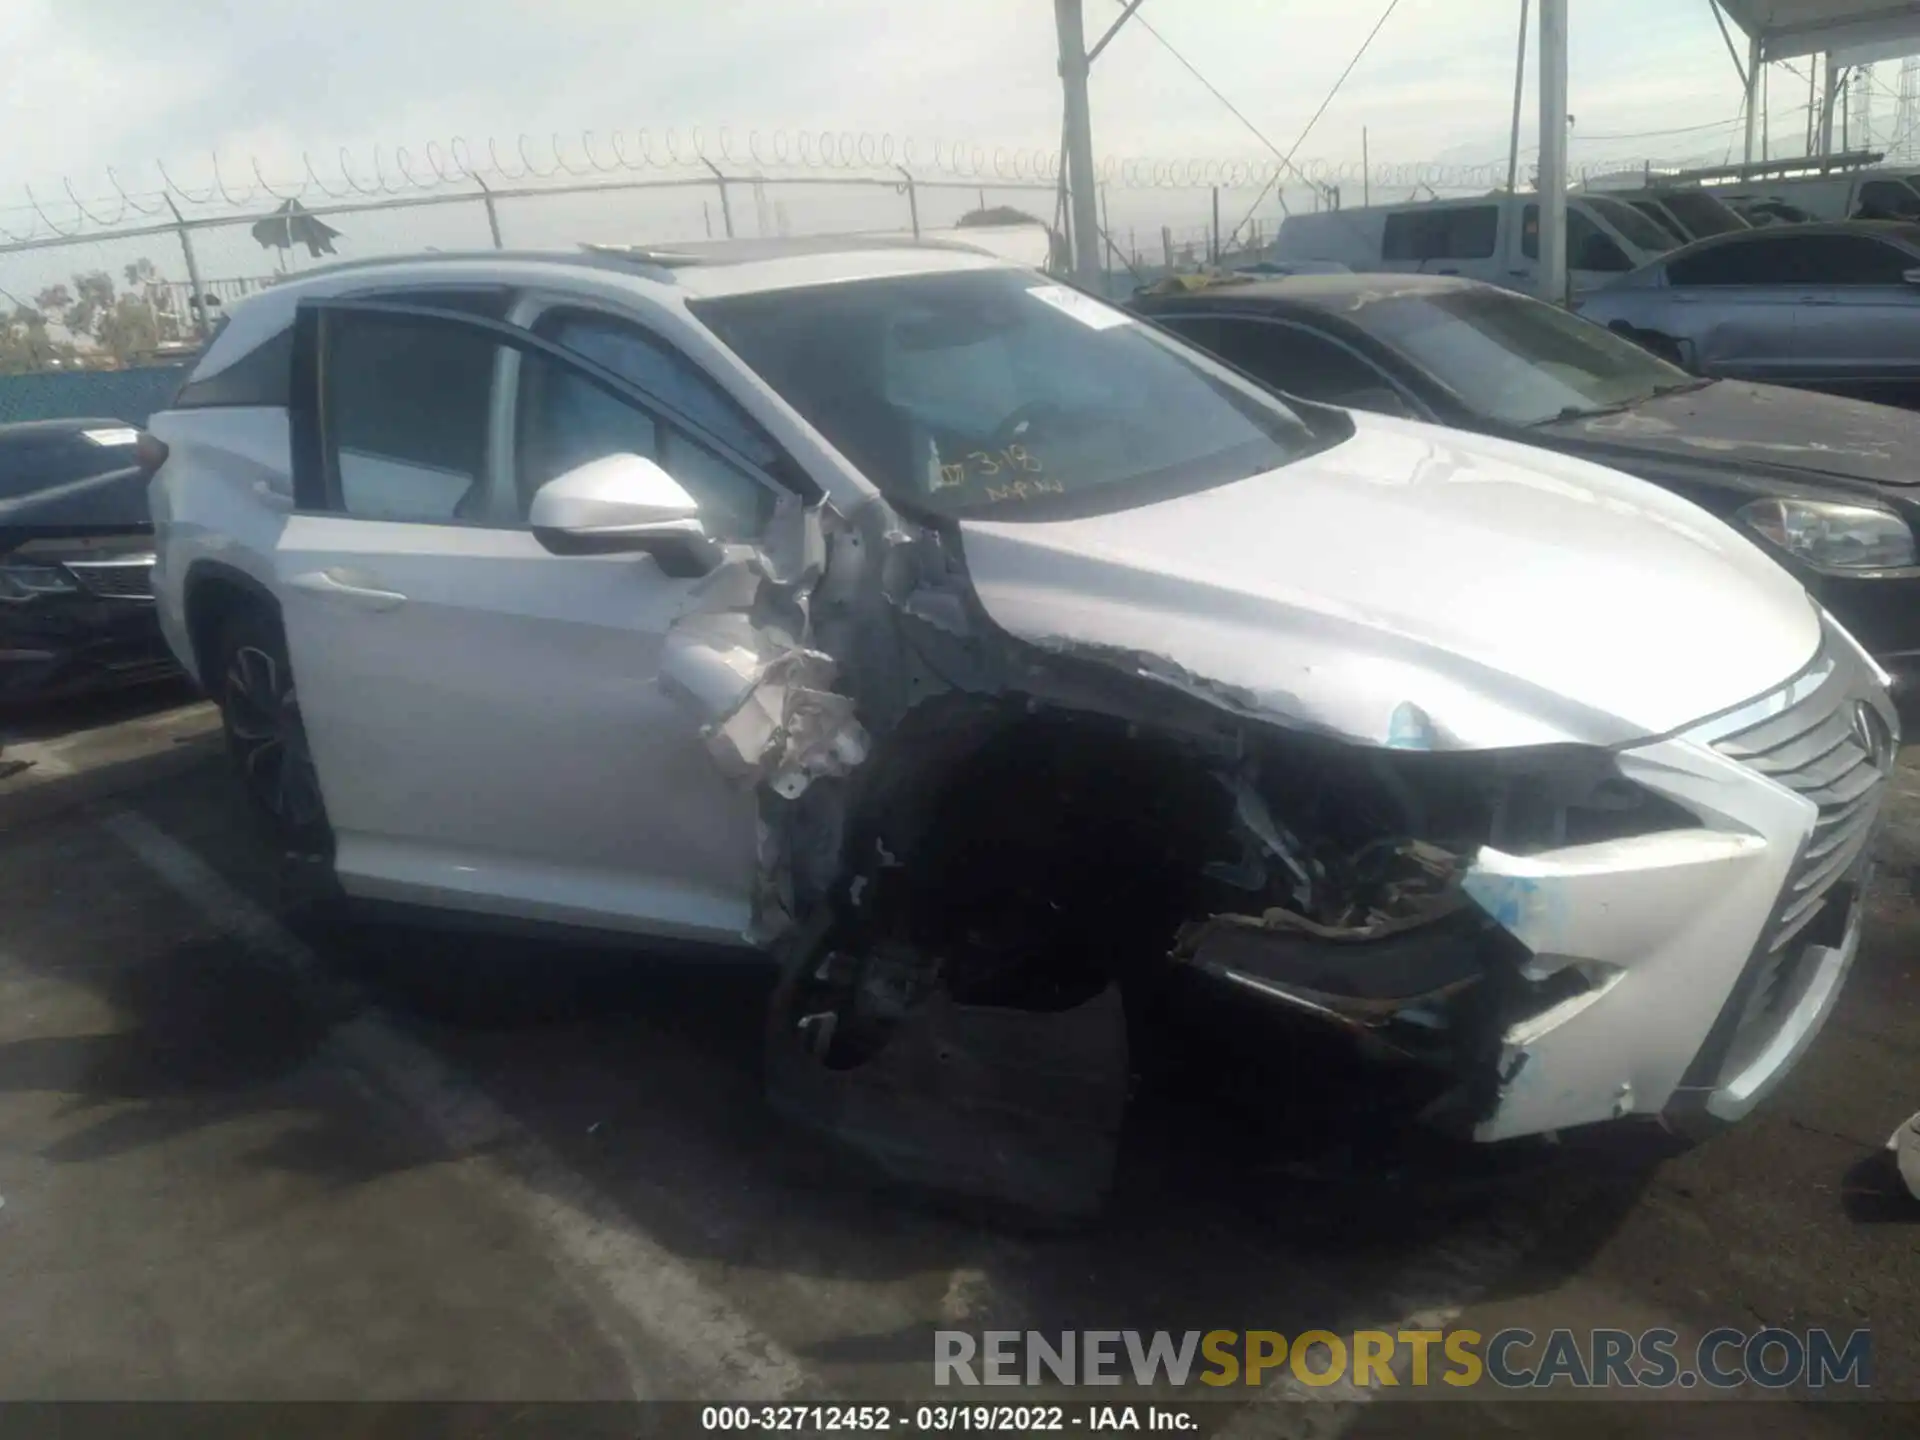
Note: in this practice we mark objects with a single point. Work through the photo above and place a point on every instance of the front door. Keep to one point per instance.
(1593, 257)
(484, 715)
(1857, 320)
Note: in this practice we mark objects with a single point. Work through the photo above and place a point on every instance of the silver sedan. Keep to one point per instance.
(1831, 307)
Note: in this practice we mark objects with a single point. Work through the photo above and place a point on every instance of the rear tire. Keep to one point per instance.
(260, 713)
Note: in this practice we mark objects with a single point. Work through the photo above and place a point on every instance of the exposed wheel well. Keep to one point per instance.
(213, 598)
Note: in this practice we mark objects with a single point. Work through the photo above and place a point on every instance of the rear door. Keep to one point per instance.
(1857, 325)
(1734, 305)
(484, 715)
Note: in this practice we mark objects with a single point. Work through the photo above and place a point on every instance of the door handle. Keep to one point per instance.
(345, 586)
(1817, 300)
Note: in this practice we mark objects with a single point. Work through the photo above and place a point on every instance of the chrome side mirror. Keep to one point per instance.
(623, 504)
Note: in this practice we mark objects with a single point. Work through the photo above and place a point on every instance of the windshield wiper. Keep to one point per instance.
(1683, 387)
(1584, 412)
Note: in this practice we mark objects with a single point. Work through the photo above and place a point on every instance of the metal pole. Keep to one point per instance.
(1553, 150)
(1366, 169)
(1214, 244)
(1813, 101)
(913, 199)
(1826, 105)
(1080, 181)
(1754, 61)
(726, 206)
(196, 301)
(493, 215)
(1106, 251)
(1519, 88)
(1166, 244)
(1846, 116)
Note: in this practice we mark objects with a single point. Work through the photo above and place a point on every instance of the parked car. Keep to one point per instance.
(1826, 485)
(996, 660)
(1828, 307)
(1495, 238)
(76, 559)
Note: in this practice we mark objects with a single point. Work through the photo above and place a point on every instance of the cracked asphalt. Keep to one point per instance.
(248, 1153)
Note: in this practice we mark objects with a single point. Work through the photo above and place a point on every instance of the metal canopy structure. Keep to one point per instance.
(1847, 32)
(1853, 31)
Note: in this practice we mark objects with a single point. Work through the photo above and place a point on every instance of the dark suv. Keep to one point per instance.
(76, 559)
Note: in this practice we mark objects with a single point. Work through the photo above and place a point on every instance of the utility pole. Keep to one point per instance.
(1080, 183)
(1553, 151)
(1519, 88)
(1826, 105)
(1756, 57)
(1813, 101)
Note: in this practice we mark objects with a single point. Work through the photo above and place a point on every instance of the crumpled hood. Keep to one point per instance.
(1769, 425)
(1416, 586)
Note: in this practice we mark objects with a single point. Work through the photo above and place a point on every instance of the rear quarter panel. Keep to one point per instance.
(221, 500)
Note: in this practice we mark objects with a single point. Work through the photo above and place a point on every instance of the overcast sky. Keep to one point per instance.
(88, 84)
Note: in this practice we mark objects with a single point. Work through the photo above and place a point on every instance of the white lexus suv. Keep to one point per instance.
(1003, 667)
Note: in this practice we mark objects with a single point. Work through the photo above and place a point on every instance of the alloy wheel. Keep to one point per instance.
(269, 740)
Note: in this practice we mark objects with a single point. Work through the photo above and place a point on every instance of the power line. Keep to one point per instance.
(1212, 89)
(1676, 130)
(1286, 160)
(1358, 55)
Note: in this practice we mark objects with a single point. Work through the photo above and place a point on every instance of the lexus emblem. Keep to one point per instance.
(1873, 734)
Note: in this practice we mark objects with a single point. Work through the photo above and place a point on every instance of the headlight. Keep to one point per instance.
(27, 582)
(1833, 534)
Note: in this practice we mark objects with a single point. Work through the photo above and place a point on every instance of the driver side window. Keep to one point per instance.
(563, 421)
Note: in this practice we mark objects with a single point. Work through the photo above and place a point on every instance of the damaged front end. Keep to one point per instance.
(984, 864)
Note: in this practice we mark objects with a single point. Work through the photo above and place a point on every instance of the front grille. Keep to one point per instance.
(1824, 738)
(115, 579)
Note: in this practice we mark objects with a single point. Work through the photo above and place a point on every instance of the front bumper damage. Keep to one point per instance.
(982, 862)
(72, 645)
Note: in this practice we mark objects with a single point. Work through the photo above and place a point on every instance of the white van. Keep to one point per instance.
(1495, 238)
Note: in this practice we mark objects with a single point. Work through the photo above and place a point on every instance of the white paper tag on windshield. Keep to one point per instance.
(1084, 308)
(116, 436)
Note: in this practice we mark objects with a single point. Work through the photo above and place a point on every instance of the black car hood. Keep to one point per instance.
(111, 504)
(1764, 425)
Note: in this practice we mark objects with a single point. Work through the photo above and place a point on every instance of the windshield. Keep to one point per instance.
(1517, 360)
(1637, 228)
(996, 391)
(1702, 214)
(1654, 213)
